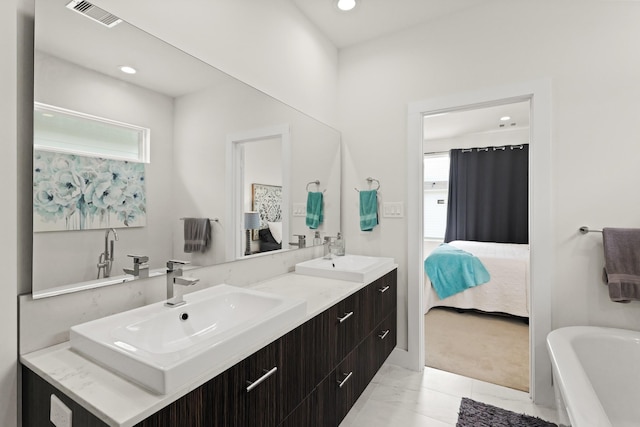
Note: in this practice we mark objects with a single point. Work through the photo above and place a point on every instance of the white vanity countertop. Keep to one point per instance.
(121, 403)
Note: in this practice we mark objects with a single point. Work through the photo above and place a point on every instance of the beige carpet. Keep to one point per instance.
(486, 347)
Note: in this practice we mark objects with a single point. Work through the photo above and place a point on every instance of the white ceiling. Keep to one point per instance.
(68, 35)
(375, 18)
(477, 121)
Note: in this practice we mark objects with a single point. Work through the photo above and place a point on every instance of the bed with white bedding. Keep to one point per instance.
(508, 288)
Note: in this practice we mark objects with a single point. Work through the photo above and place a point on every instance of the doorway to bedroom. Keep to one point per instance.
(476, 242)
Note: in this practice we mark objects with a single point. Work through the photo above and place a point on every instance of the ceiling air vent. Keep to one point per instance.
(94, 12)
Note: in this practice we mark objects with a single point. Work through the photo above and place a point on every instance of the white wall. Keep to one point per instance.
(8, 166)
(16, 109)
(267, 44)
(587, 50)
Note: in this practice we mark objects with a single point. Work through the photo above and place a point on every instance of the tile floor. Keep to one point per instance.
(400, 397)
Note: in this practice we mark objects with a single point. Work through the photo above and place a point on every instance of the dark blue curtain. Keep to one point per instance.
(489, 195)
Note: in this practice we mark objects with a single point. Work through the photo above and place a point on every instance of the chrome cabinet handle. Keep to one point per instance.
(383, 334)
(341, 383)
(383, 290)
(257, 382)
(346, 316)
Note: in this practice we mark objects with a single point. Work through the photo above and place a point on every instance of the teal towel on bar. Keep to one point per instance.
(314, 210)
(368, 209)
(452, 270)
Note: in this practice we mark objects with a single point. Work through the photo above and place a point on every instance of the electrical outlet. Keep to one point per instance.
(393, 210)
(299, 209)
(60, 414)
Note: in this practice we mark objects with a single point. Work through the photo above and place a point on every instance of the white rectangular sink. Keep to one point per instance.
(164, 348)
(354, 268)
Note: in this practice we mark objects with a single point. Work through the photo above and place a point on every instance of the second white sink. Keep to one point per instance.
(164, 348)
(354, 268)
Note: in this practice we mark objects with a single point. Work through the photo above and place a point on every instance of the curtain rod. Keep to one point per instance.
(502, 148)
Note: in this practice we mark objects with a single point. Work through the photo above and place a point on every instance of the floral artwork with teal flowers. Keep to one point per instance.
(72, 192)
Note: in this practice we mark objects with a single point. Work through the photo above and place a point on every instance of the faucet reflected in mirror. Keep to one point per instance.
(140, 266)
(105, 260)
(302, 241)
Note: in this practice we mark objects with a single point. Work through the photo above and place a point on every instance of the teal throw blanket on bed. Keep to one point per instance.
(314, 209)
(452, 270)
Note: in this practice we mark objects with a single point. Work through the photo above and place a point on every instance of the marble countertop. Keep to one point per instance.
(121, 403)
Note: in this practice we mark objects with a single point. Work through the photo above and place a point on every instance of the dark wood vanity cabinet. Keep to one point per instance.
(311, 376)
(361, 342)
(229, 399)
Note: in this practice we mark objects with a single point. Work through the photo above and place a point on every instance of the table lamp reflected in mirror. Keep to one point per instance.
(251, 222)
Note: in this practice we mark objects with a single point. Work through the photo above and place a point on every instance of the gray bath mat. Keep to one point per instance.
(477, 414)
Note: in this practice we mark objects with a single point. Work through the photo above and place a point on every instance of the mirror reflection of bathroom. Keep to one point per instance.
(183, 163)
(262, 194)
(476, 200)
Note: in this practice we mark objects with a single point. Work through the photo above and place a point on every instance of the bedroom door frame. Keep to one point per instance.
(235, 184)
(538, 93)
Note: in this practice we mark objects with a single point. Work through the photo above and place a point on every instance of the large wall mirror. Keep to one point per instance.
(175, 161)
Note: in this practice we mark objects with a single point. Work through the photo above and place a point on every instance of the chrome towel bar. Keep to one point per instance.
(584, 230)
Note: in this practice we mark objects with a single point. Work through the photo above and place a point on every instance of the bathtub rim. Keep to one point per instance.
(567, 367)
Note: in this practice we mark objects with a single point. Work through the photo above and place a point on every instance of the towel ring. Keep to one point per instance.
(316, 182)
(370, 180)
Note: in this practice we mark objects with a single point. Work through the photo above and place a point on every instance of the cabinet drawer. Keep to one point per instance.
(259, 387)
(377, 300)
(347, 319)
(386, 337)
(345, 383)
(374, 350)
(386, 295)
(307, 356)
(318, 409)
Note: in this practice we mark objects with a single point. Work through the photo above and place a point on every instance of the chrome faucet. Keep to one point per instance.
(174, 277)
(140, 266)
(302, 241)
(105, 260)
(328, 246)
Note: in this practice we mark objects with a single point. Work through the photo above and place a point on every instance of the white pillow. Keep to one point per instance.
(276, 230)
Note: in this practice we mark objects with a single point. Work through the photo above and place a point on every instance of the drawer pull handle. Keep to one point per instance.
(383, 290)
(383, 334)
(345, 317)
(341, 383)
(257, 382)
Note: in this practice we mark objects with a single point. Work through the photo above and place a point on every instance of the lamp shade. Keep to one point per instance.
(251, 220)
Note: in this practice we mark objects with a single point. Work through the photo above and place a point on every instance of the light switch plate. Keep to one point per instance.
(60, 414)
(299, 209)
(393, 210)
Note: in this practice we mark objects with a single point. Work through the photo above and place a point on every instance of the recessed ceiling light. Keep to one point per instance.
(505, 118)
(128, 70)
(346, 5)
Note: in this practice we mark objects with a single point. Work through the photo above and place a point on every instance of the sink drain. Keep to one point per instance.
(184, 316)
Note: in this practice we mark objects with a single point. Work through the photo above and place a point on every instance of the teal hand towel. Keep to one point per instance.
(452, 270)
(314, 210)
(368, 209)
